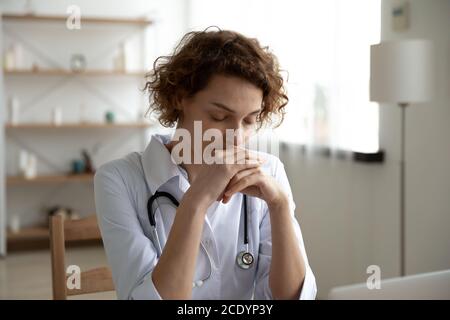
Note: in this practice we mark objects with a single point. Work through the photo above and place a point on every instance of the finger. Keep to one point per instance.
(243, 153)
(239, 155)
(236, 155)
(232, 155)
(225, 199)
(242, 184)
(235, 179)
(247, 165)
(241, 174)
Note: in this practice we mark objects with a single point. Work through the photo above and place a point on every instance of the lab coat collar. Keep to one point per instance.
(159, 166)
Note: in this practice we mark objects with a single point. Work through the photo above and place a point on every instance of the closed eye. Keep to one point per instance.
(250, 121)
(218, 118)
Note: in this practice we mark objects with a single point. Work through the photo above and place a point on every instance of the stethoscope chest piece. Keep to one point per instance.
(244, 260)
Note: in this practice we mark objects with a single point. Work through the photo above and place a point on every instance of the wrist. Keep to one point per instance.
(278, 203)
(195, 202)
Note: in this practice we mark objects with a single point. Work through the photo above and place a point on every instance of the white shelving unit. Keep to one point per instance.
(38, 233)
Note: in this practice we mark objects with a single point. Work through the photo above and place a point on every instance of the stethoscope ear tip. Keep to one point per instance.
(198, 283)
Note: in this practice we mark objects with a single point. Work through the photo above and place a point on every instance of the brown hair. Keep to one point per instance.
(202, 54)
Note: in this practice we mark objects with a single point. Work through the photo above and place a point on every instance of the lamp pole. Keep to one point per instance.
(402, 192)
(402, 72)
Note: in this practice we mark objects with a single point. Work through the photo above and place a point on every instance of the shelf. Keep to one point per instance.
(29, 234)
(78, 126)
(32, 238)
(63, 18)
(63, 72)
(38, 236)
(18, 180)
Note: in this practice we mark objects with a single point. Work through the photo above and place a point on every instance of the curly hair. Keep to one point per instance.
(202, 54)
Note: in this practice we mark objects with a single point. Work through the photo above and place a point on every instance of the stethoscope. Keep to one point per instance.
(244, 259)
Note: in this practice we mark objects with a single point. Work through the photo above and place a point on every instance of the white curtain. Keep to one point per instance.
(324, 45)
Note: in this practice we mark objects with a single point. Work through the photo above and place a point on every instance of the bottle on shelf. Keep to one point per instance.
(57, 116)
(119, 61)
(27, 164)
(14, 110)
(14, 223)
(9, 62)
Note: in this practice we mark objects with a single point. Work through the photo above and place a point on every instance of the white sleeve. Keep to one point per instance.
(262, 288)
(131, 255)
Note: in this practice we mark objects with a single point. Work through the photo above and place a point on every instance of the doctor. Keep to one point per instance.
(175, 228)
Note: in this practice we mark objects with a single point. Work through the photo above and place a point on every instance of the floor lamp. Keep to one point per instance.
(401, 72)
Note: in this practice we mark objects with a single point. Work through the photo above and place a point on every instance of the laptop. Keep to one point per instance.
(426, 286)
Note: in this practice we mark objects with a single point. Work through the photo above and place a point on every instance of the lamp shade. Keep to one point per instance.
(401, 71)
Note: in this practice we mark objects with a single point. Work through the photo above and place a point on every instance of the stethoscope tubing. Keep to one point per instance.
(244, 259)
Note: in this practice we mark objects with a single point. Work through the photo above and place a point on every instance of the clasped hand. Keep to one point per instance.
(236, 170)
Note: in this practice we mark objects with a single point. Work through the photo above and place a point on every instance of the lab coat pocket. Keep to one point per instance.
(244, 278)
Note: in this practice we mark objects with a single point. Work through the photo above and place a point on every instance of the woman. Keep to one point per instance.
(222, 229)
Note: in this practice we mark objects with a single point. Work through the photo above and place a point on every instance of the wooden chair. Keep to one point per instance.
(62, 231)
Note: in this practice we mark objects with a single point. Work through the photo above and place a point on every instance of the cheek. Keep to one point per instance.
(249, 131)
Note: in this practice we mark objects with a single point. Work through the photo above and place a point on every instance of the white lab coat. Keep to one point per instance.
(121, 196)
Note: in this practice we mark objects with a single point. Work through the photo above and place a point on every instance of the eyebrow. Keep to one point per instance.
(224, 107)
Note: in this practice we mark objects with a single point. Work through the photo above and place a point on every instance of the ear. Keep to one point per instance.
(179, 105)
(182, 102)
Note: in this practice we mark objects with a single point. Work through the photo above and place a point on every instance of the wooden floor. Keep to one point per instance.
(27, 275)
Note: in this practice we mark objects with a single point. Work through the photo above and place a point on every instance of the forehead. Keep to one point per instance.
(232, 91)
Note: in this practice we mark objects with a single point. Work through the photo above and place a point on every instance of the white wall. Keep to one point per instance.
(427, 151)
(349, 212)
(335, 208)
(2, 174)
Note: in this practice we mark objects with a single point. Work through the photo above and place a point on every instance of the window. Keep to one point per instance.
(325, 47)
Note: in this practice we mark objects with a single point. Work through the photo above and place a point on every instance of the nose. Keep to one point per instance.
(239, 137)
(234, 136)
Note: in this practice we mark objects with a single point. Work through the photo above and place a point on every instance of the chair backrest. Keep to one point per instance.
(62, 230)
